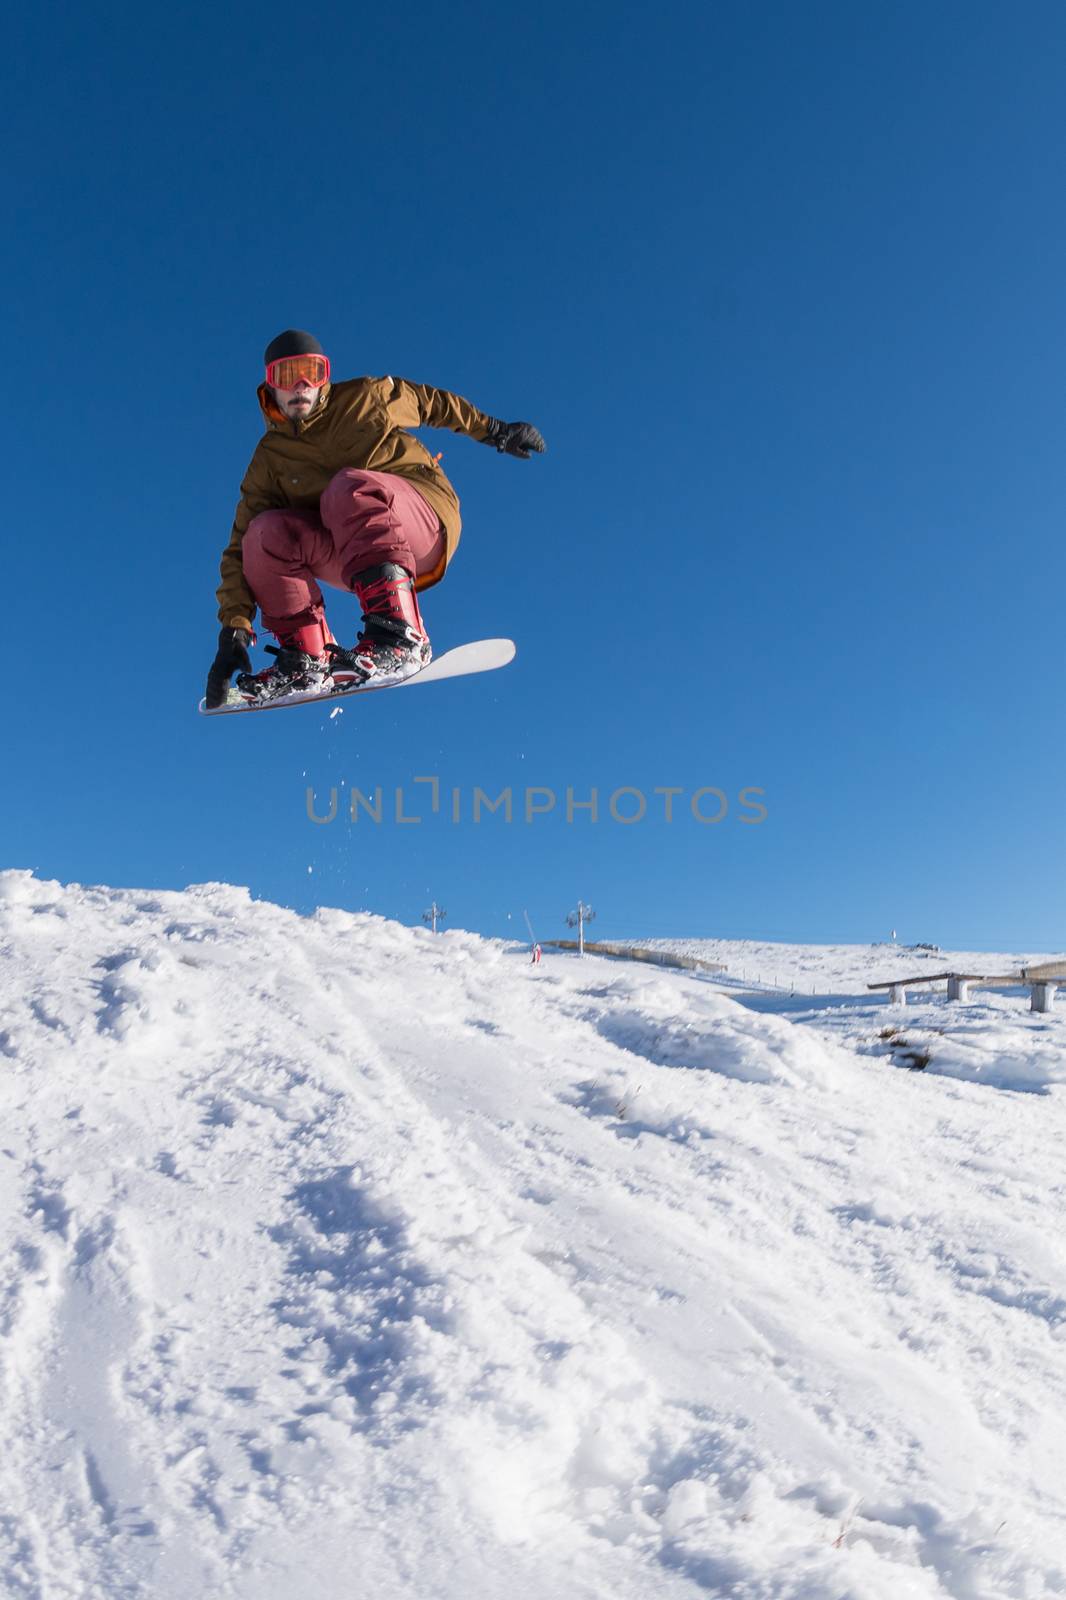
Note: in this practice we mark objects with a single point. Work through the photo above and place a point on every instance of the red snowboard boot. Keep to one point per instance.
(301, 667)
(393, 644)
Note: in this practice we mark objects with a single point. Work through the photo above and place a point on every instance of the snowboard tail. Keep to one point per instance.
(481, 655)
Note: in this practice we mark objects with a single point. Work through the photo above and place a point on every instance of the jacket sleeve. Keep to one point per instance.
(236, 605)
(417, 405)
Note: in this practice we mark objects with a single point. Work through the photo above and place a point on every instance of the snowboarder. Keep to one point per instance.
(535, 958)
(338, 492)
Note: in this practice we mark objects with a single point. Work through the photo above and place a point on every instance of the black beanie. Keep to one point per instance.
(293, 342)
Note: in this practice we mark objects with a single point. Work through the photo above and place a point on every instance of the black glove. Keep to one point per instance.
(232, 657)
(517, 438)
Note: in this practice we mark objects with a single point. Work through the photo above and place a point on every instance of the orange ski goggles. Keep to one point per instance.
(287, 372)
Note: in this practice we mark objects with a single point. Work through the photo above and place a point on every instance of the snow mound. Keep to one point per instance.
(342, 1258)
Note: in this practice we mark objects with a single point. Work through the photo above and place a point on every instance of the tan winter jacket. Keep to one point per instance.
(358, 423)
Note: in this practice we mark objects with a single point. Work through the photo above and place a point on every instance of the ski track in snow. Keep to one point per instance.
(342, 1258)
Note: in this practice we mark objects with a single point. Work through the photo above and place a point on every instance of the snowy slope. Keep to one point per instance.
(993, 1038)
(343, 1260)
(837, 968)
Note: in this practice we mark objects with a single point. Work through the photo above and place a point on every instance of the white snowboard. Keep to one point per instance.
(483, 655)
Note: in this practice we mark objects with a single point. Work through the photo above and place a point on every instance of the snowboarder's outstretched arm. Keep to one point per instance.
(516, 438)
(418, 405)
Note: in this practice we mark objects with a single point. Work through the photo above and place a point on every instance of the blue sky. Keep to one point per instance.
(783, 288)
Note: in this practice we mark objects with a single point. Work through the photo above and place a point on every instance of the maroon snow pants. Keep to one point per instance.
(364, 519)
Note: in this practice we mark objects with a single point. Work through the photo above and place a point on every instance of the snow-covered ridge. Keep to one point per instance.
(837, 968)
(342, 1259)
